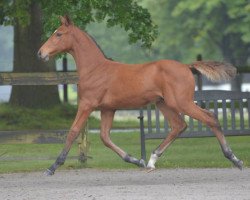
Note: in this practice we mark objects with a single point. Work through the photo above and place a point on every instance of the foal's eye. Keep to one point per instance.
(58, 34)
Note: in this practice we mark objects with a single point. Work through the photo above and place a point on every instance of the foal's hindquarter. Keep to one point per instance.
(155, 82)
(136, 86)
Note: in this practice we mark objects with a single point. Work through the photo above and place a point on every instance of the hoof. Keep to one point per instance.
(142, 163)
(150, 169)
(48, 172)
(239, 164)
(130, 159)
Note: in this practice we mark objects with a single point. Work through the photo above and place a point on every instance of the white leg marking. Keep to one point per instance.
(152, 161)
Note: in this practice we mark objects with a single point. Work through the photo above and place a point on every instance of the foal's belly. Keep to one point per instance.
(121, 101)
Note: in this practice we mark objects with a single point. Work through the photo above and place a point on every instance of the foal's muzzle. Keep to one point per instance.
(42, 56)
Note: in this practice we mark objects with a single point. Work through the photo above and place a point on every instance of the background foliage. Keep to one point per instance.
(218, 29)
(130, 16)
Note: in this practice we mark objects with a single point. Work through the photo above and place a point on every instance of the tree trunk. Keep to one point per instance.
(27, 41)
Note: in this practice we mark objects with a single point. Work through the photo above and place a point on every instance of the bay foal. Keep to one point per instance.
(107, 85)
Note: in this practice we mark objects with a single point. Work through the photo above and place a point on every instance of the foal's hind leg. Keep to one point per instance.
(178, 125)
(106, 123)
(211, 120)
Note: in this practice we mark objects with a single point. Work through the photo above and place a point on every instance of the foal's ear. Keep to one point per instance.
(65, 20)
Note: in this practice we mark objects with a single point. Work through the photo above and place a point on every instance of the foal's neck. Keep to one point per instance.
(85, 52)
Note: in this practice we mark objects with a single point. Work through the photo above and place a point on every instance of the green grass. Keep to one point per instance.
(58, 117)
(19, 118)
(62, 116)
(183, 153)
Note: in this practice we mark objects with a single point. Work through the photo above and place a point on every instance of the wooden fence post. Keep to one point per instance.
(82, 140)
(199, 76)
(65, 86)
(83, 144)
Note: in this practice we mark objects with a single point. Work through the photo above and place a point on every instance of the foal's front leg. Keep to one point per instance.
(82, 115)
(107, 117)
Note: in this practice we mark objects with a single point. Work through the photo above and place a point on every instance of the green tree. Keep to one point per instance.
(224, 23)
(218, 29)
(34, 19)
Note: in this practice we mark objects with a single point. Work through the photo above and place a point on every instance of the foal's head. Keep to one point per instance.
(60, 41)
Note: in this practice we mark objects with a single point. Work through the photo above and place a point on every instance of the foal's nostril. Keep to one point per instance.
(42, 56)
(39, 54)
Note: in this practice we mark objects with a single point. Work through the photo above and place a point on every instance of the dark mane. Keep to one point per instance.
(98, 46)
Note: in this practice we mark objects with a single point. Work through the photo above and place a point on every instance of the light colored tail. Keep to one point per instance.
(215, 71)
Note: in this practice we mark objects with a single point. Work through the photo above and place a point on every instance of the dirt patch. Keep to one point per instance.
(170, 184)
